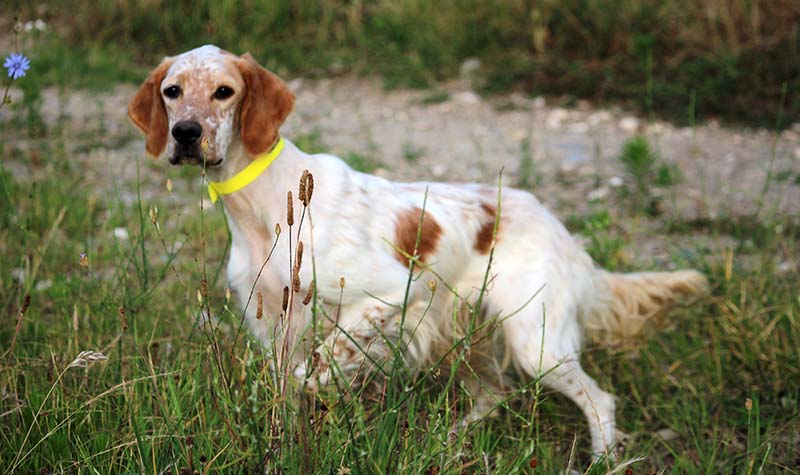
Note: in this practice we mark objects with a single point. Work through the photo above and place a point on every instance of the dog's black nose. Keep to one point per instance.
(186, 132)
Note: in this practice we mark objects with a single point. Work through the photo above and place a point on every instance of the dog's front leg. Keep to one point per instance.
(361, 341)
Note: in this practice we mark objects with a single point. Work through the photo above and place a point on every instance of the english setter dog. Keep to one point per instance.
(212, 108)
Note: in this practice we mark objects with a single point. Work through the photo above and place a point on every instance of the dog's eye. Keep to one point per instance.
(173, 92)
(222, 92)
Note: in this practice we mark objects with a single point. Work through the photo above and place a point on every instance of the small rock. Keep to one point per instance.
(295, 85)
(519, 134)
(667, 434)
(615, 182)
(382, 172)
(656, 128)
(18, 274)
(467, 97)
(790, 135)
(121, 234)
(629, 124)
(796, 152)
(556, 118)
(438, 170)
(469, 68)
(43, 285)
(539, 102)
(579, 127)
(786, 267)
(598, 118)
(597, 193)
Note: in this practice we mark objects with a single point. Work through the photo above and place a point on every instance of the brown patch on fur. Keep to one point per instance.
(406, 230)
(264, 107)
(483, 240)
(146, 110)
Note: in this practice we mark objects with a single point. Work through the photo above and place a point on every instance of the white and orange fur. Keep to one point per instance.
(543, 286)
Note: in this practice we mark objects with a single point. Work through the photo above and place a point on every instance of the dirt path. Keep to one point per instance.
(455, 135)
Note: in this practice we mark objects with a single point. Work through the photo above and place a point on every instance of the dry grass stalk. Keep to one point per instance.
(26, 302)
(260, 306)
(86, 359)
(123, 319)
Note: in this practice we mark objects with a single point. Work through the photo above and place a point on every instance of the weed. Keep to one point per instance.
(527, 178)
(644, 170)
(605, 245)
(411, 152)
(361, 162)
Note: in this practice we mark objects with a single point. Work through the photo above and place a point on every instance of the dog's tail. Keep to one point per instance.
(625, 303)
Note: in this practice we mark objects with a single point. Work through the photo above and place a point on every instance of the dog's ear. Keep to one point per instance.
(147, 111)
(265, 105)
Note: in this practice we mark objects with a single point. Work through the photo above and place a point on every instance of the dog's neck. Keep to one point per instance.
(263, 201)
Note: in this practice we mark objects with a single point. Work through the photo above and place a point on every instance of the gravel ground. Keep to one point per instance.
(452, 134)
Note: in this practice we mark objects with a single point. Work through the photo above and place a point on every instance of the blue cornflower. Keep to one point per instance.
(16, 64)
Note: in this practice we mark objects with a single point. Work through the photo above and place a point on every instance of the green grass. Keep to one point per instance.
(734, 58)
(178, 393)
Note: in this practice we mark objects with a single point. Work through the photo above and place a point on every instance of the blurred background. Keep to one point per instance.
(738, 60)
(665, 134)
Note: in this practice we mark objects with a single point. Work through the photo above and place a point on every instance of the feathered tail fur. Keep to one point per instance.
(625, 303)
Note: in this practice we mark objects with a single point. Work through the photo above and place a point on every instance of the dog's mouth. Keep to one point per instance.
(185, 156)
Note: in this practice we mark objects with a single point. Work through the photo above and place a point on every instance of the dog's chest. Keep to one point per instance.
(252, 270)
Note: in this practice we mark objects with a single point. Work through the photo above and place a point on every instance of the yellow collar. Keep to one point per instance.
(247, 175)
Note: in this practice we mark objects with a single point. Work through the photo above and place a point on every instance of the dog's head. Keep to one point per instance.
(197, 104)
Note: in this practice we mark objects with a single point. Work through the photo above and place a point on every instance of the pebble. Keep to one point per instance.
(598, 118)
(629, 124)
(615, 182)
(556, 118)
(797, 152)
(468, 68)
(597, 193)
(467, 98)
(121, 234)
(18, 274)
(438, 170)
(43, 285)
(656, 128)
(539, 102)
(579, 127)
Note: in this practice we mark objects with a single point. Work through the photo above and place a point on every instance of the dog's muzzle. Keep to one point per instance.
(188, 148)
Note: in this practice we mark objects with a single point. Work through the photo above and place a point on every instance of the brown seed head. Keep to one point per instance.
(289, 209)
(277, 229)
(301, 192)
(204, 287)
(534, 462)
(298, 259)
(296, 280)
(309, 293)
(748, 404)
(341, 282)
(26, 302)
(285, 303)
(260, 306)
(309, 188)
